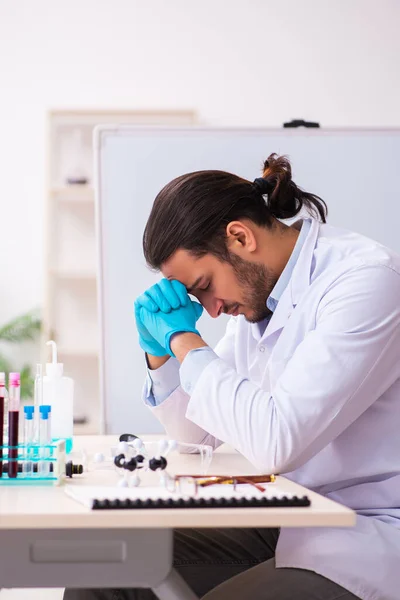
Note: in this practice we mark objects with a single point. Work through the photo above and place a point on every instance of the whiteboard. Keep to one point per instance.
(354, 171)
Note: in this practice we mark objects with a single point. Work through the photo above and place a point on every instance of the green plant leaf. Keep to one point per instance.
(21, 329)
(5, 365)
(27, 383)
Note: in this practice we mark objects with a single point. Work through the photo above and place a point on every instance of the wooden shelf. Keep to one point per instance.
(86, 429)
(74, 275)
(72, 352)
(74, 194)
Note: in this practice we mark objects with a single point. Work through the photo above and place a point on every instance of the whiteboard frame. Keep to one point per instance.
(102, 131)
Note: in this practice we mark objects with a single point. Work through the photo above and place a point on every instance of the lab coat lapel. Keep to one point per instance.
(278, 319)
(298, 284)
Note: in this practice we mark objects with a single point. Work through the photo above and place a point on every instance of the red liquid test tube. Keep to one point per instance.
(13, 423)
(2, 409)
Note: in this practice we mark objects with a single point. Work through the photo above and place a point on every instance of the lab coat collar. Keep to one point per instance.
(301, 277)
(299, 282)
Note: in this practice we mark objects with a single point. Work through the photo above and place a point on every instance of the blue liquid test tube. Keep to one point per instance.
(27, 464)
(38, 400)
(44, 439)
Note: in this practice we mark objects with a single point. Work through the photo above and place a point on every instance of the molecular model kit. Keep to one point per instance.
(143, 480)
(131, 458)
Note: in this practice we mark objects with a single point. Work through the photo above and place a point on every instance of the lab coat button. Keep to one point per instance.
(188, 386)
(262, 348)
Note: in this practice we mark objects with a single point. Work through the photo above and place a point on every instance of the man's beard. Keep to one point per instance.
(257, 283)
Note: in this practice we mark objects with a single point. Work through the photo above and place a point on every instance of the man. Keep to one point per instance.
(306, 381)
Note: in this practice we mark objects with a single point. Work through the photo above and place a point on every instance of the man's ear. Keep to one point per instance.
(240, 238)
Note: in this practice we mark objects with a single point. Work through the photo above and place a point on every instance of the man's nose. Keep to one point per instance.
(213, 306)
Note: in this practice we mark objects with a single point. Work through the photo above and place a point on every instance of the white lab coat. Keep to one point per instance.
(317, 397)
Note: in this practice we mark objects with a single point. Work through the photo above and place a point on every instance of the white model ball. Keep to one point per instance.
(123, 448)
(135, 481)
(172, 445)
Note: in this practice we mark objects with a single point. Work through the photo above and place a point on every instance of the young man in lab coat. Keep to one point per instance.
(306, 381)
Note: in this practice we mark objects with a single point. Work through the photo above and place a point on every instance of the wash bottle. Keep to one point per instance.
(58, 392)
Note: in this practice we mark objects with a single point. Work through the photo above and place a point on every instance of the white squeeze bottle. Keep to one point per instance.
(58, 392)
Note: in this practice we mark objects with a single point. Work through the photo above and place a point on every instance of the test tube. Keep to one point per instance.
(38, 399)
(13, 423)
(44, 439)
(2, 415)
(27, 464)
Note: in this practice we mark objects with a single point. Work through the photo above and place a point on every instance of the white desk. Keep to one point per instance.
(50, 540)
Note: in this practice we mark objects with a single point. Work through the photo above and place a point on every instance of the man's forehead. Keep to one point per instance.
(180, 264)
(190, 284)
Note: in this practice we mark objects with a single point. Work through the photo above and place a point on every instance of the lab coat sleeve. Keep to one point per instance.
(336, 372)
(171, 412)
(161, 382)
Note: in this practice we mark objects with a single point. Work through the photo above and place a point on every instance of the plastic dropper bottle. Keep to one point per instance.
(58, 392)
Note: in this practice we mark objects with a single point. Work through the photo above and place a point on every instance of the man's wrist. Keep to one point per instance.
(183, 342)
(155, 362)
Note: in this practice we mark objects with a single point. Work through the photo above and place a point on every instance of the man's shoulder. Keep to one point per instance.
(344, 250)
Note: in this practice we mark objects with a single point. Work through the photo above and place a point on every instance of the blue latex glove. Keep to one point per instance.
(165, 295)
(162, 326)
(146, 340)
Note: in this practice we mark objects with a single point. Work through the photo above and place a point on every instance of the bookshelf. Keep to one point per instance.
(70, 296)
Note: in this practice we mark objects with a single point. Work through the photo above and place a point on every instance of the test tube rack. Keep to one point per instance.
(35, 464)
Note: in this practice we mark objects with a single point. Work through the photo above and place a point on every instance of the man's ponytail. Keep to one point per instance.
(285, 200)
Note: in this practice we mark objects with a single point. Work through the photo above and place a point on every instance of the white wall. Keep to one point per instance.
(247, 62)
